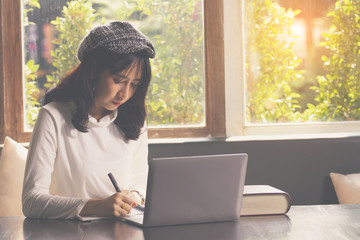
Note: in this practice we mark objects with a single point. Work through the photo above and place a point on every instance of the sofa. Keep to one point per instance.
(300, 167)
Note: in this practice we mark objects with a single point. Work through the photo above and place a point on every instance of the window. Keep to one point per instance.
(305, 69)
(212, 124)
(300, 67)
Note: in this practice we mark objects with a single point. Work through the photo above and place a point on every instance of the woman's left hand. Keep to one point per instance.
(133, 196)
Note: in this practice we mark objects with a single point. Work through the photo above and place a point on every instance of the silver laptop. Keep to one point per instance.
(194, 189)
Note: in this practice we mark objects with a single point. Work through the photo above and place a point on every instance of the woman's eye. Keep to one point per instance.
(118, 80)
(135, 84)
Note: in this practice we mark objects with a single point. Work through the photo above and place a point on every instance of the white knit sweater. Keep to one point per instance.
(66, 167)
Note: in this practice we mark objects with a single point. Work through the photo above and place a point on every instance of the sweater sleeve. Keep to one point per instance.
(139, 170)
(37, 202)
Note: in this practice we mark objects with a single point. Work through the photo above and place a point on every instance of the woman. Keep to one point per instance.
(93, 124)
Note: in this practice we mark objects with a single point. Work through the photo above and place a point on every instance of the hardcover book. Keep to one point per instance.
(264, 200)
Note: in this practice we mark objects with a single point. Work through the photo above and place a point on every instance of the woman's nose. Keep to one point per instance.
(124, 91)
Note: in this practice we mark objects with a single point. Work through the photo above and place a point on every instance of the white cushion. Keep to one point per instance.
(12, 167)
(347, 187)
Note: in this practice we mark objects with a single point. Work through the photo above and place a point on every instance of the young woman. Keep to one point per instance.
(93, 124)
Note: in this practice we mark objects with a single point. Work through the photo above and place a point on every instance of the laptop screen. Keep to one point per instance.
(195, 189)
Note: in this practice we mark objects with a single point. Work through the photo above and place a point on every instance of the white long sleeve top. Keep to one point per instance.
(66, 167)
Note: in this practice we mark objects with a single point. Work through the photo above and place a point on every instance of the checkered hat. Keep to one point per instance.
(118, 37)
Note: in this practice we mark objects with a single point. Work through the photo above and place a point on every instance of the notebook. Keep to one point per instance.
(192, 189)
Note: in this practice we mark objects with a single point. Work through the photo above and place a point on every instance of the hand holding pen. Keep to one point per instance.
(113, 181)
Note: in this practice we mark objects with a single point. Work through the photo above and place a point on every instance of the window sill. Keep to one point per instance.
(155, 141)
(253, 138)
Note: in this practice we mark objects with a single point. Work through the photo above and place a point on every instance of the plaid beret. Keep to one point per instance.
(118, 37)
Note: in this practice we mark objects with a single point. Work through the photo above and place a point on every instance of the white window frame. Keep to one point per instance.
(235, 103)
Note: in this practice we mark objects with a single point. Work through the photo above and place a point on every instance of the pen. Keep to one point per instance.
(113, 181)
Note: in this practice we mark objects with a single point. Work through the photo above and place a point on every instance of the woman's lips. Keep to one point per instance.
(116, 103)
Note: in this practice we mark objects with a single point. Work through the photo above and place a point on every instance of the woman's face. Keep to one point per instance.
(112, 90)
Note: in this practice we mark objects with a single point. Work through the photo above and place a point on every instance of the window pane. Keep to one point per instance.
(177, 93)
(302, 60)
(49, 47)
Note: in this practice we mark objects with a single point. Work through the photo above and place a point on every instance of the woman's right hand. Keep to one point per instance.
(116, 205)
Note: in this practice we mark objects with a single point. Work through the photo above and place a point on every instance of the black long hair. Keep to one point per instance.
(79, 84)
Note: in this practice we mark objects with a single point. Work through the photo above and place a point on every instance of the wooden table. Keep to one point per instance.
(313, 222)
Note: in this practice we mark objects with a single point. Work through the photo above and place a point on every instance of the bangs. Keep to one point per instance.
(128, 64)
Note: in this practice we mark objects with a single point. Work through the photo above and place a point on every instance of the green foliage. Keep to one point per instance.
(76, 21)
(29, 6)
(31, 90)
(270, 62)
(176, 94)
(339, 90)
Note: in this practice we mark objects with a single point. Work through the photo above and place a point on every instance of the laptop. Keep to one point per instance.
(192, 189)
